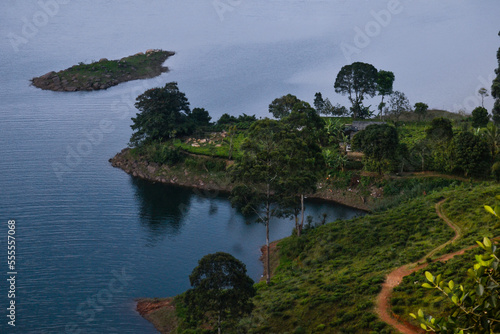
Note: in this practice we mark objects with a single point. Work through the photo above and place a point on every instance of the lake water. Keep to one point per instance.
(89, 237)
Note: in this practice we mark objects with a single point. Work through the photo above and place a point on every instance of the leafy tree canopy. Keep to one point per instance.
(385, 81)
(282, 106)
(480, 117)
(470, 154)
(357, 81)
(200, 117)
(495, 91)
(221, 290)
(421, 109)
(378, 142)
(163, 114)
(305, 121)
(398, 104)
(440, 130)
(319, 103)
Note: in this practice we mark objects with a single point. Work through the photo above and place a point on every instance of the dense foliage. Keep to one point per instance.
(282, 106)
(480, 117)
(163, 115)
(379, 143)
(495, 91)
(357, 80)
(476, 302)
(221, 291)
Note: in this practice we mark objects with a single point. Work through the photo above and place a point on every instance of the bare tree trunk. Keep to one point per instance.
(299, 231)
(218, 324)
(268, 218)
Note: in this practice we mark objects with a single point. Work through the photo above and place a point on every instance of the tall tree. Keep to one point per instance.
(495, 91)
(357, 81)
(483, 92)
(440, 130)
(257, 174)
(421, 110)
(163, 114)
(319, 103)
(282, 106)
(199, 117)
(492, 136)
(385, 81)
(480, 117)
(379, 143)
(470, 154)
(398, 104)
(303, 159)
(221, 290)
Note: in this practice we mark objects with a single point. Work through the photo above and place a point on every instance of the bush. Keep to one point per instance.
(495, 171)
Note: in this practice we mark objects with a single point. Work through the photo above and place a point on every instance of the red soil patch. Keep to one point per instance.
(145, 307)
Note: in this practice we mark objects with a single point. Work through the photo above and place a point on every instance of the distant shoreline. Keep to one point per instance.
(105, 73)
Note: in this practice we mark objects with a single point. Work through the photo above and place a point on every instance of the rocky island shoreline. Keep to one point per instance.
(105, 73)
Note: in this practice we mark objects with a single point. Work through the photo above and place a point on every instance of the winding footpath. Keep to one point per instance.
(383, 307)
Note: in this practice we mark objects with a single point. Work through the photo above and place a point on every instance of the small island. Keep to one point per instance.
(105, 73)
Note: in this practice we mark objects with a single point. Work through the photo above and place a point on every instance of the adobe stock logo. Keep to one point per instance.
(31, 27)
(223, 6)
(363, 37)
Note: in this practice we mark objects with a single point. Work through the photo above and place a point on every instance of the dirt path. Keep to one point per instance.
(383, 307)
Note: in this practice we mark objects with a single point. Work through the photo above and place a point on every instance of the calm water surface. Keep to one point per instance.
(89, 237)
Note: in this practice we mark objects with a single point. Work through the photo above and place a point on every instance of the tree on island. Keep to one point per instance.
(163, 115)
(282, 106)
(357, 81)
(385, 81)
(221, 291)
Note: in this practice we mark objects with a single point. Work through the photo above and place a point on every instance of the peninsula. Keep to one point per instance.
(105, 73)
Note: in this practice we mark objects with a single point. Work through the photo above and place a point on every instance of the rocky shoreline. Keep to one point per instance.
(105, 73)
(209, 182)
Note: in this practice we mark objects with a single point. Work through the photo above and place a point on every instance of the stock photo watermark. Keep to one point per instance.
(11, 272)
(98, 301)
(363, 36)
(32, 25)
(224, 6)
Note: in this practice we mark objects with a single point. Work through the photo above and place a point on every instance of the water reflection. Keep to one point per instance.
(162, 208)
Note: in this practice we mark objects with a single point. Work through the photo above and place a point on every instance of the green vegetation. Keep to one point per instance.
(357, 80)
(328, 275)
(468, 303)
(105, 73)
(220, 294)
(495, 92)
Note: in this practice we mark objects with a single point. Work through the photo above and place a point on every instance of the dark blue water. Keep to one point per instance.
(89, 237)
